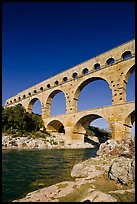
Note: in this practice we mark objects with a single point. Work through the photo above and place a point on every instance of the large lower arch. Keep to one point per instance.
(130, 119)
(85, 83)
(55, 126)
(81, 127)
(31, 103)
(49, 101)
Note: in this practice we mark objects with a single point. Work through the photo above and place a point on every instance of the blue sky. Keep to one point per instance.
(42, 39)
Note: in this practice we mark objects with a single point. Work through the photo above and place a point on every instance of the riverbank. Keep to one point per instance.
(109, 177)
(49, 142)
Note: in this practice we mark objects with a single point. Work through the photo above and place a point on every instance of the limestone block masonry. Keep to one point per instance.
(114, 66)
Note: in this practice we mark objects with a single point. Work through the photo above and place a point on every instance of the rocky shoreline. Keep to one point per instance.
(50, 142)
(109, 177)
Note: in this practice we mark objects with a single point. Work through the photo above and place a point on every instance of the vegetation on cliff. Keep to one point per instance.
(16, 121)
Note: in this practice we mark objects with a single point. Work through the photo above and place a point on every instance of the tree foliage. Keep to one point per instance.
(16, 119)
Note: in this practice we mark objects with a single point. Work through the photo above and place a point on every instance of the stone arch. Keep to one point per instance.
(19, 98)
(75, 75)
(130, 119)
(56, 83)
(126, 79)
(24, 96)
(82, 85)
(128, 73)
(85, 71)
(20, 104)
(81, 126)
(48, 86)
(31, 103)
(126, 55)
(49, 101)
(55, 126)
(97, 66)
(110, 61)
(65, 79)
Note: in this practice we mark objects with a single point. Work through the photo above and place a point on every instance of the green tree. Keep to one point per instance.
(16, 118)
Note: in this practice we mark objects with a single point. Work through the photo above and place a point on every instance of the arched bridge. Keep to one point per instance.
(114, 67)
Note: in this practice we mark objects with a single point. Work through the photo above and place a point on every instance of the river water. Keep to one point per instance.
(26, 170)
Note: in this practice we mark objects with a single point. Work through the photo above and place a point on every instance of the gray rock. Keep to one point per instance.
(98, 196)
(117, 148)
(122, 170)
(86, 169)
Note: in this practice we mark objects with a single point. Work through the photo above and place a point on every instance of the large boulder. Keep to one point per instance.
(87, 169)
(122, 170)
(117, 148)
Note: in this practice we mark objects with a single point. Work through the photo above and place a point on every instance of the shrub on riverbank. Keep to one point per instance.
(18, 122)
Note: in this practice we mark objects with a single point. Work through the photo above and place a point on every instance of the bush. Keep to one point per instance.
(15, 120)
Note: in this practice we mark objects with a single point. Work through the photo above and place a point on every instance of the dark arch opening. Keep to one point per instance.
(55, 126)
(19, 104)
(48, 85)
(75, 75)
(35, 106)
(56, 82)
(85, 71)
(97, 66)
(110, 61)
(65, 79)
(126, 55)
(93, 93)
(56, 103)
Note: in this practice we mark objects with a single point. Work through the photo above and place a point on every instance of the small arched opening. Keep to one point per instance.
(126, 55)
(97, 66)
(75, 75)
(110, 61)
(65, 79)
(85, 71)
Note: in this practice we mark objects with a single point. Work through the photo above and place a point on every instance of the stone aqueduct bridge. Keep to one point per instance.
(115, 67)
